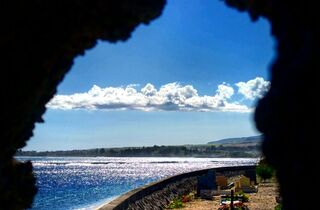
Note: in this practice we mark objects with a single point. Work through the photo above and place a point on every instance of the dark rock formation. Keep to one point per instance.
(39, 40)
(287, 115)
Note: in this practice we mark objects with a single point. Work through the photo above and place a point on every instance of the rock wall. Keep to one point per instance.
(161, 199)
(38, 42)
(287, 115)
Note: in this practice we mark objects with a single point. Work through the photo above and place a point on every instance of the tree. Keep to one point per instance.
(102, 151)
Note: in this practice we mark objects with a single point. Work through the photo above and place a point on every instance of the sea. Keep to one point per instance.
(88, 182)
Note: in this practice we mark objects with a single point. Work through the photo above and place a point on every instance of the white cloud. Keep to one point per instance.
(149, 90)
(225, 91)
(170, 97)
(255, 88)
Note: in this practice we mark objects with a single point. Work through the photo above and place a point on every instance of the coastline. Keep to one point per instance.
(88, 183)
(98, 204)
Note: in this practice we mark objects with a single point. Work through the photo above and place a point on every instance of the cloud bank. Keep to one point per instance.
(169, 97)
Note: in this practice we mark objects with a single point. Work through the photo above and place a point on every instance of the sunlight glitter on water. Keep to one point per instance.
(87, 182)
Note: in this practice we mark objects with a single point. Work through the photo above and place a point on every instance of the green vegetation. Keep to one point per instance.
(179, 202)
(157, 151)
(264, 170)
(278, 207)
(176, 204)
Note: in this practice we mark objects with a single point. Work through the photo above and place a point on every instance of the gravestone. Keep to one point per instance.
(237, 184)
(244, 184)
(207, 185)
(244, 181)
(251, 174)
(222, 181)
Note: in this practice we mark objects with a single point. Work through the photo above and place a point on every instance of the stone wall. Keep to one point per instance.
(157, 195)
(161, 198)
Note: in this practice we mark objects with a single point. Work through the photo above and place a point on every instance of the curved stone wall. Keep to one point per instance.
(157, 195)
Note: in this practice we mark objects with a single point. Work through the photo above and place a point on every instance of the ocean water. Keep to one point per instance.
(88, 182)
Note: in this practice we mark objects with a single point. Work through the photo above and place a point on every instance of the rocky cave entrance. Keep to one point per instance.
(39, 47)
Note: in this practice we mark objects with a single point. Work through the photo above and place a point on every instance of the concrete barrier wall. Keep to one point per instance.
(158, 194)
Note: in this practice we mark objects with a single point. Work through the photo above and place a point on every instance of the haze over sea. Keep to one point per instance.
(87, 182)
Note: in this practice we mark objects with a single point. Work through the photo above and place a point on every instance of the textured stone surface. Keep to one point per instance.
(161, 198)
(287, 115)
(39, 41)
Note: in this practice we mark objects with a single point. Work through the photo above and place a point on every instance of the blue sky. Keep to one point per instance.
(189, 77)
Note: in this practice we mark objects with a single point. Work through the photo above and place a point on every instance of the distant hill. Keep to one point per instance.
(204, 150)
(239, 140)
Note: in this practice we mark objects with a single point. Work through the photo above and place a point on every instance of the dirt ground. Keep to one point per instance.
(264, 199)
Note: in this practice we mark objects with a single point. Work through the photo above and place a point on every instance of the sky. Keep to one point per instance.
(192, 76)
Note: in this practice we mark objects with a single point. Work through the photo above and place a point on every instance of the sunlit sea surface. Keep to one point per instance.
(88, 182)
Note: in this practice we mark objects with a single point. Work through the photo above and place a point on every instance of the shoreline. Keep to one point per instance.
(108, 169)
(98, 204)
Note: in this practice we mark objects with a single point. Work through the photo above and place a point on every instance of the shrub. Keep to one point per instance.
(179, 202)
(278, 207)
(264, 170)
(176, 203)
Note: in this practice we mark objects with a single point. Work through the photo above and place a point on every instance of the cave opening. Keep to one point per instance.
(39, 48)
(187, 78)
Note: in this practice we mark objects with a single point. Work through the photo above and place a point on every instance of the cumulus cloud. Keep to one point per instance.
(169, 97)
(253, 89)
